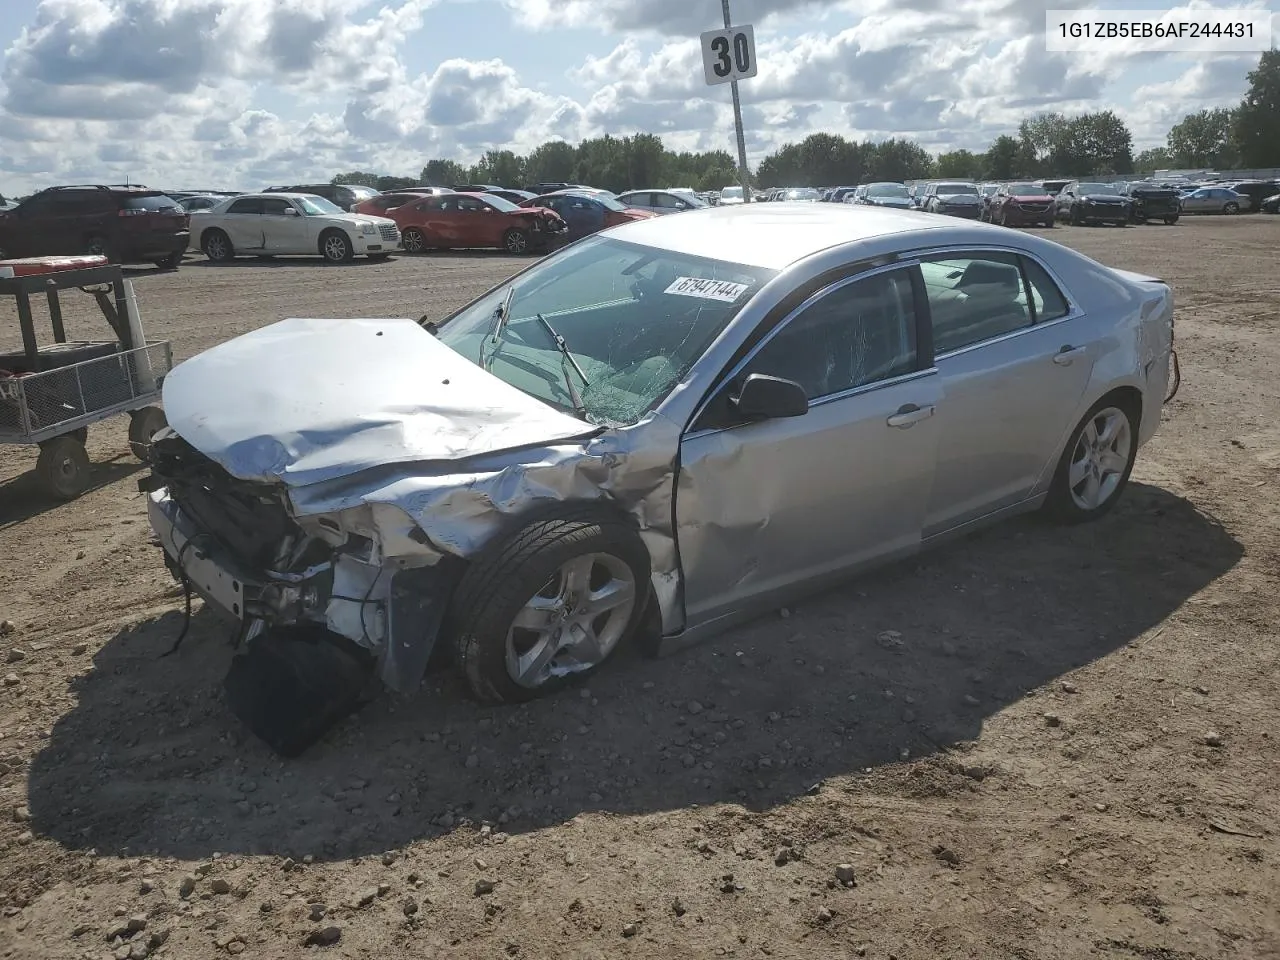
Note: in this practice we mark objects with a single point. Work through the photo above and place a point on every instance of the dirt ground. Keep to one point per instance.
(1065, 748)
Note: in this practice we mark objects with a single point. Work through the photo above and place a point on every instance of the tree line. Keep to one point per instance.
(1046, 144)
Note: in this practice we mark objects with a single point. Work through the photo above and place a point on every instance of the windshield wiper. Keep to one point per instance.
(501, 314)
(578, 407)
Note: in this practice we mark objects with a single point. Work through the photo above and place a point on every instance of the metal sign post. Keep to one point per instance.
(729, 55)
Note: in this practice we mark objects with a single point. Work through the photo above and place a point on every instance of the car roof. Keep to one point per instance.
(274, 195)
(774, 237)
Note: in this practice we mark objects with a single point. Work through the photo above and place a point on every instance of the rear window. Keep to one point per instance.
(156, 204)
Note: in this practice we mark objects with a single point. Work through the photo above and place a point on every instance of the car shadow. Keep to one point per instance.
(22, 497)
(907, 662)
(203, 262)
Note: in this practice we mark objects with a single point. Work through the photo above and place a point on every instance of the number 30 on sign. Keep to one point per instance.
(729, 54)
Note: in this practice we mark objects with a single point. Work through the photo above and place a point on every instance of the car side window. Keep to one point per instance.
(1046, 299)
(471, 205)
(974, 298)
(857, 334)
(666, 201)
(246, 205)
(275, 207)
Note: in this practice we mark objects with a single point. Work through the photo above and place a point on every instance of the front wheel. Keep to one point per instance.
(515, 241)
(1050, 224)
(1095, 465)
(63, 467)
(413, 240)
(335, 246)
(550, 604)
(144, 424)
(170, 262)
(1231, 208)
(217, 247)
(1170, 221)
(97, 245)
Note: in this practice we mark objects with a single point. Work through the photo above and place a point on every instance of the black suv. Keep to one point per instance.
(125, 224)
(345, 195)
(1152, 201)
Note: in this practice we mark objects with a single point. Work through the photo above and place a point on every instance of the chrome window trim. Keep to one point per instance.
(1073, 308)
(784, 323)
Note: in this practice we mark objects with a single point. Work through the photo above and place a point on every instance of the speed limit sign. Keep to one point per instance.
(729, 55)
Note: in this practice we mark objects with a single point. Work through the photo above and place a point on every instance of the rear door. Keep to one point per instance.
(284, 229)
(479, 224)
(1015, 357)
(243, 223)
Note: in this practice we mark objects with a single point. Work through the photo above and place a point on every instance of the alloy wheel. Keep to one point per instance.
(413, 241)
(1100, 458)
(574, 622)
(215, 247)
(335, 247)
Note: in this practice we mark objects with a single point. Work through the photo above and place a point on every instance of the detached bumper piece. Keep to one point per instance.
(293, 684)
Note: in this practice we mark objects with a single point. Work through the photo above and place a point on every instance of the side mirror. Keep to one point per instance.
(763, 397)
(290, 212)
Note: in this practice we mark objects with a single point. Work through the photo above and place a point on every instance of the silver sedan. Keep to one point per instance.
(657, 431)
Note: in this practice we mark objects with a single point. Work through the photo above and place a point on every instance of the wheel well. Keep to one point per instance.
(330, 231)
(1130, 399)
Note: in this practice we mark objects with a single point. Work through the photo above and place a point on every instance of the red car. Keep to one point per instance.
(1020, 204)
(585, 213)
(474, 220)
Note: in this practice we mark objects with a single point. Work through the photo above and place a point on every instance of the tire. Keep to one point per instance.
(335, 247)
(171, 262)
(516, 241)
(1230, 208)
(216, 245)
(1076, 219)
(1050, 224)
(530, 572)
(413, 240)
(97, 245)
(1078, 503)
(4, 254)
(143, 425)
(63, 467)
(1170, 221)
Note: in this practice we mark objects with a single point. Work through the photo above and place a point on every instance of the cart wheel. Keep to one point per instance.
(143, 425)
(64, 467)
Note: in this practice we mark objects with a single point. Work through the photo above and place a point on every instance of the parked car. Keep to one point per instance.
(660, 201)
(586, 213)
(273, 223)
(1255, 190)
(199, 201)
(1052, 187)
(800, 195)
(475, 187)
(514, 196)
(344, 195)
(1083, 202)
(1214, 200)
(124, 224)
(1020, 204)
(838, 194)
(383, 202)
(538, 189)
(503, 482)
(1271, 204)
(883, 194)
(732, 196)
(476, 220)
(951, 197)
(985, 192)
(1151, 201)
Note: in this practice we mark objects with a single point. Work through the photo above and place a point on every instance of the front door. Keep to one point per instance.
(1015, 360)
(284, 229)
(764, 507)
(243, 223)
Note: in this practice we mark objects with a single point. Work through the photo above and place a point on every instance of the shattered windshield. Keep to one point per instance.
(634, 319)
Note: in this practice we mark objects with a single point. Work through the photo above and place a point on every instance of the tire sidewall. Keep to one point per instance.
(228, 251)
(1060, 503)
(510, 235)
(489, 597)
(346, 244)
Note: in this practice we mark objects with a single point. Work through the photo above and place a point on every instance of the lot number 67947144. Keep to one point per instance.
(729, 54)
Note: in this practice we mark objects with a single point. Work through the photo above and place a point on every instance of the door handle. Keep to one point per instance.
(1068, 353)
(910, 415)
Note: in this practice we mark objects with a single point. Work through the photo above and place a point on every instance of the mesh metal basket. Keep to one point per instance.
(37, 406)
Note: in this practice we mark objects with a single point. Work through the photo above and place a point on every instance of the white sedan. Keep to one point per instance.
(266, 224)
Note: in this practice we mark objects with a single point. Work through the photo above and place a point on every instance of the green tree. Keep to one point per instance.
(896, 160)
(960, 164)
(501, 167)
(553, 162)
(602, 162)
(442, 173)
(1042, 134)
(1149, 161)
(358, 178)
(1008, 158)
(1203, 139)
(644, 153)
(1256, 126)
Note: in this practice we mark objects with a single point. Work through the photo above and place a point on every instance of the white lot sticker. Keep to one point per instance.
(721, 290)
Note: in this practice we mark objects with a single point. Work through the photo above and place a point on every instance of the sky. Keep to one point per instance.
(238, 94)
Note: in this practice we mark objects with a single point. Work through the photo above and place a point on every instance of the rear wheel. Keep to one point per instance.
(1231, 207)
(144, 424)
(1096, 463)
(63, 467)
(516, 241)
(97, 245)
(550, 604)
(1050, 223)
(1170, 221)
(335, 246)
(1076, 219)
(217, 246)
(170, 262)
(414, 240)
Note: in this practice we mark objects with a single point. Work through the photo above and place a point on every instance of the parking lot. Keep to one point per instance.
(1035, 743)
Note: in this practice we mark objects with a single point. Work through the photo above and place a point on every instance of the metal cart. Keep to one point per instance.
(50, 393)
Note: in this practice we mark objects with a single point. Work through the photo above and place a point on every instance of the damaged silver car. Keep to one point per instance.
(659, 430)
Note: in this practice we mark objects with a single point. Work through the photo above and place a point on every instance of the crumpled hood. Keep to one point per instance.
(303, 401)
